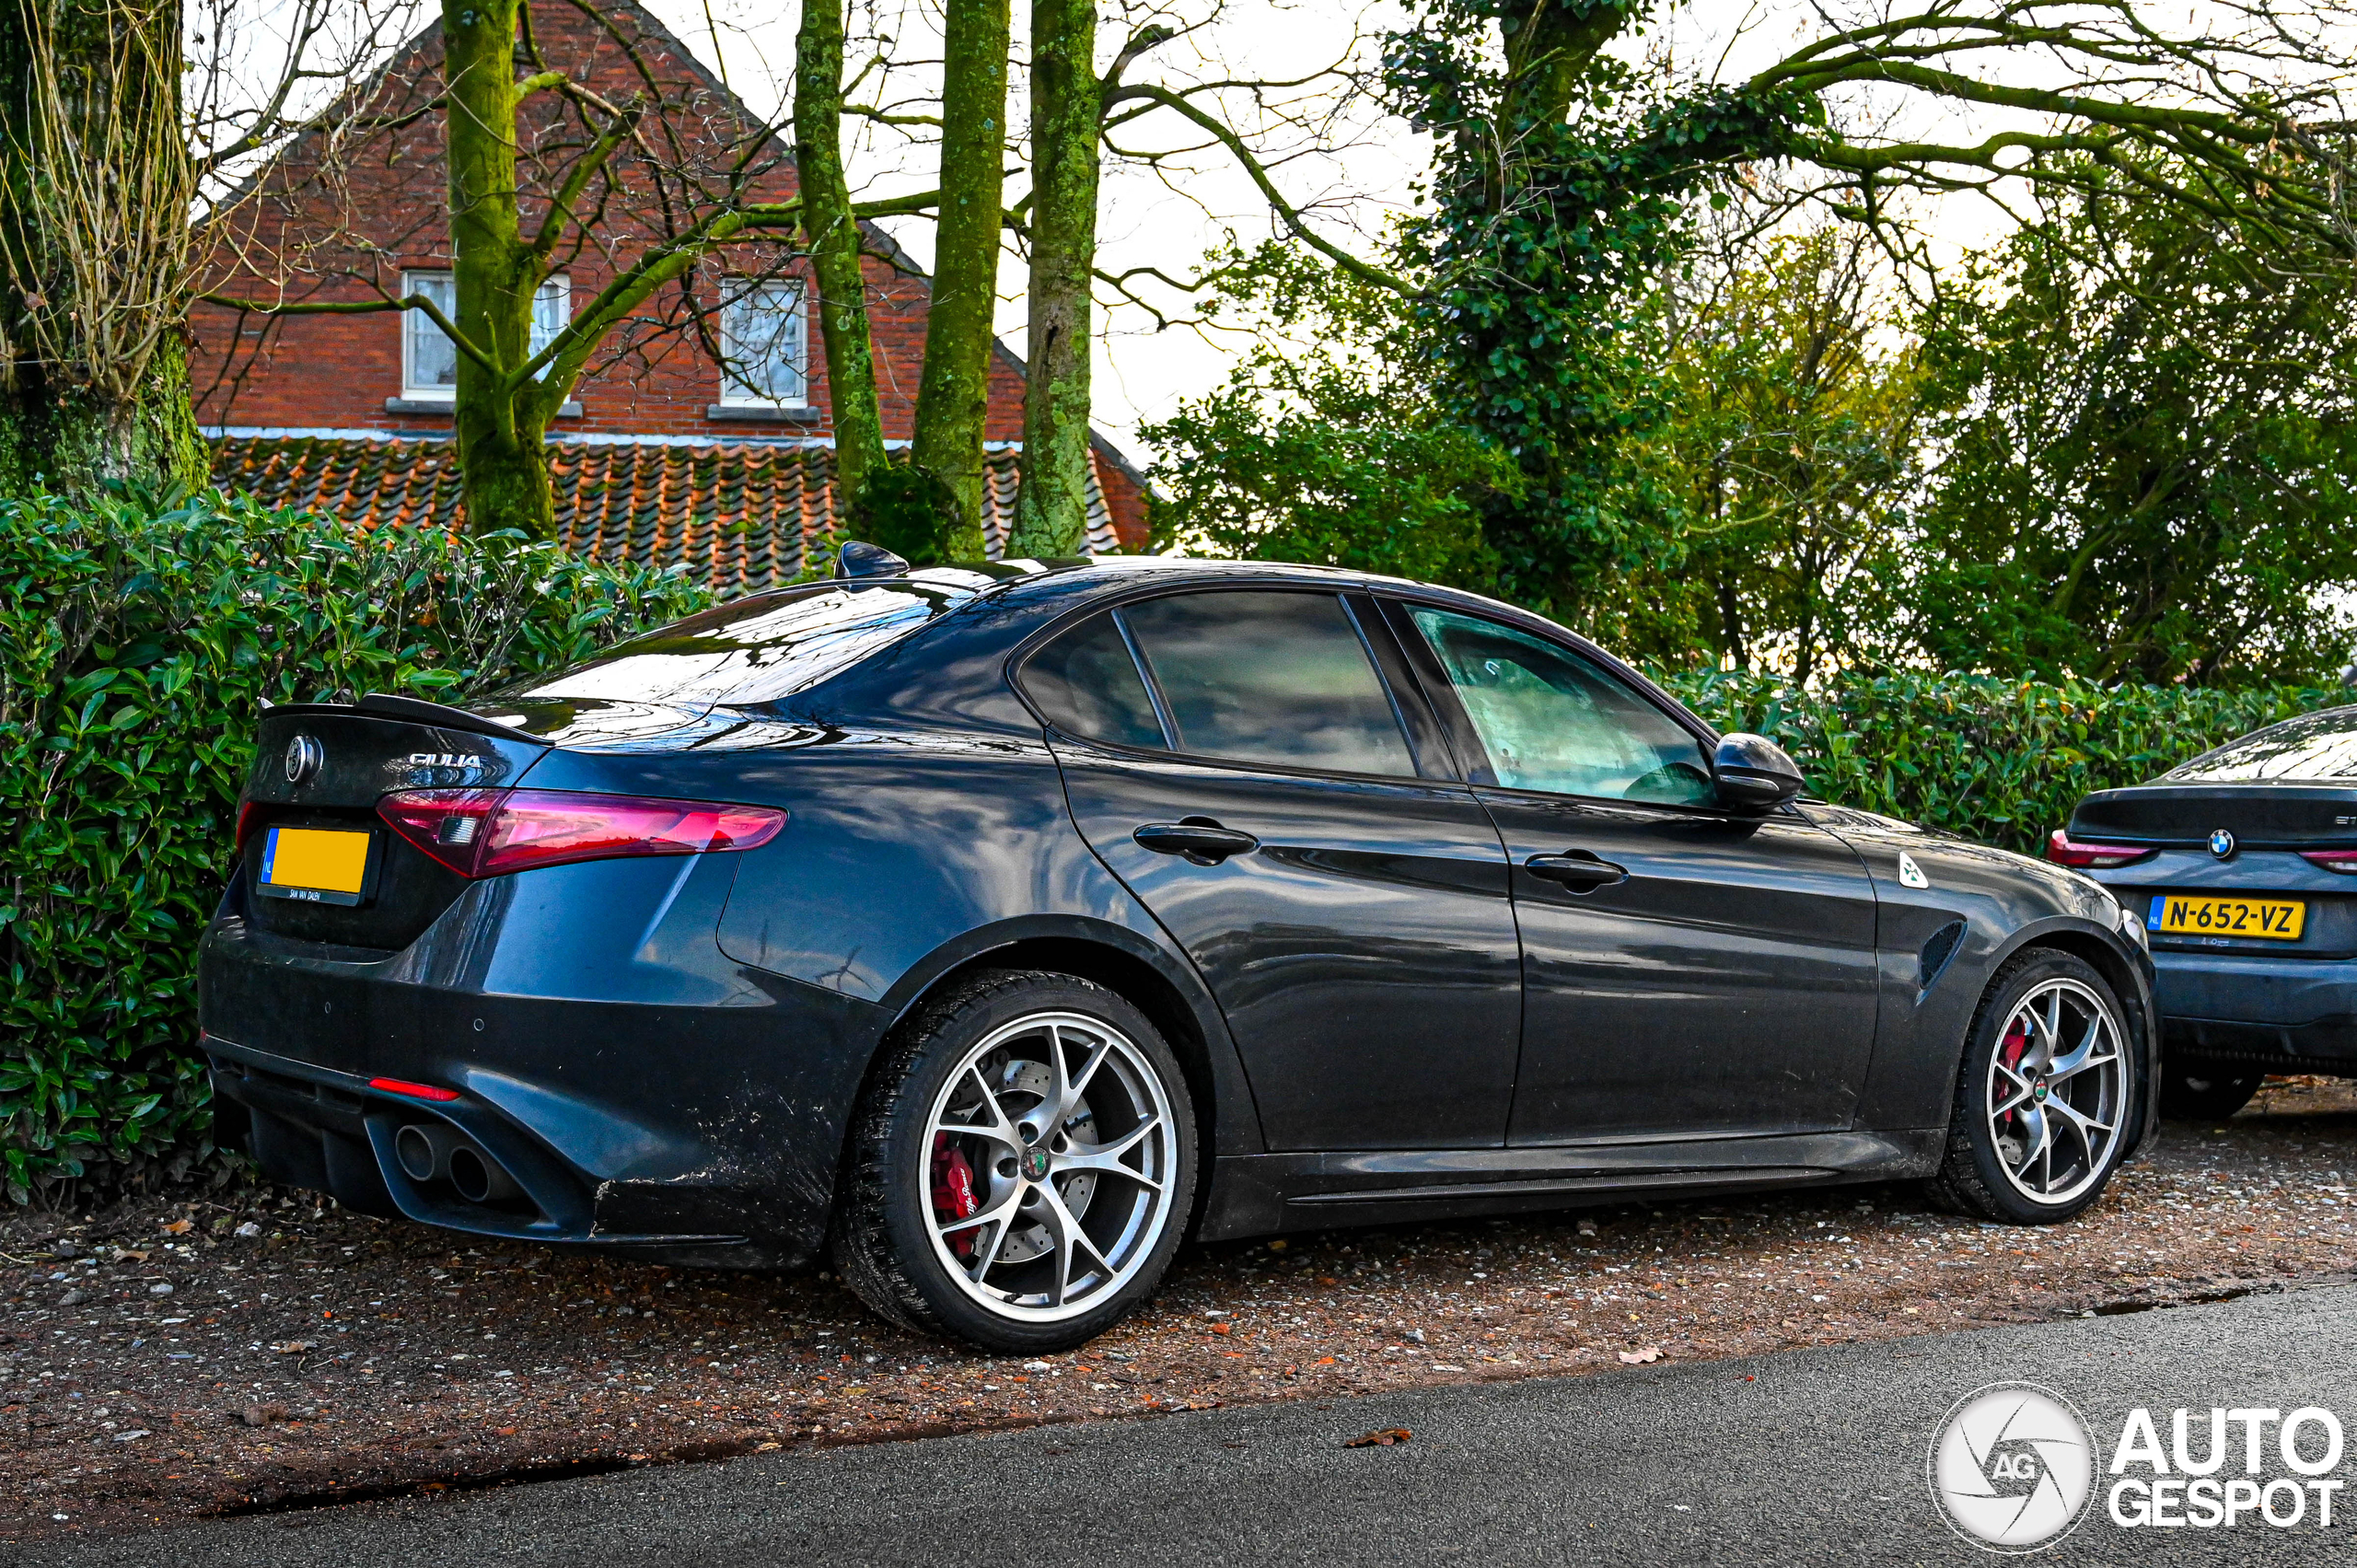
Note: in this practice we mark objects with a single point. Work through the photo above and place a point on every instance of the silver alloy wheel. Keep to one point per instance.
(2058, 1092)
(1046, 1175)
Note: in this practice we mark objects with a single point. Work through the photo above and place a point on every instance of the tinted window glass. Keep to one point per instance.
(2318, 745)
(1552, 721)
(1087, 685)
(756, 650)
(1270, 677)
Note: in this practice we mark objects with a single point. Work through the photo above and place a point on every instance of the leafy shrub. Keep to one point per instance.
(137, 648)
(2002, 761)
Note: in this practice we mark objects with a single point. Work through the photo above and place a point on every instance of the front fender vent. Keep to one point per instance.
(1936, 953)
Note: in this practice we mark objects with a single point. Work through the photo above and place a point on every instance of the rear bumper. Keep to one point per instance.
(647, 1094)
(2299, 1009)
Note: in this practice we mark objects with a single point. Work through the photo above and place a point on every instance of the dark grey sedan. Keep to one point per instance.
(2239, 864)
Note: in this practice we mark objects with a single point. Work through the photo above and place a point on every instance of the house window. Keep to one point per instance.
(762, 344)
(430, 360)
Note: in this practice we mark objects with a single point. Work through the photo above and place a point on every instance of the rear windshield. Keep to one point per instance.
(2316, 745)
(754, 650)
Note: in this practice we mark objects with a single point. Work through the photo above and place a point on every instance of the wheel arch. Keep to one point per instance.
(1158, 983)
(2101, 952)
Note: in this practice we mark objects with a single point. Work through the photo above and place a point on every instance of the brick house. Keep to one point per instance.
(701, 433)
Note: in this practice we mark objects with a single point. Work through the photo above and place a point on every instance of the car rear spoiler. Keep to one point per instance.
(417, 709)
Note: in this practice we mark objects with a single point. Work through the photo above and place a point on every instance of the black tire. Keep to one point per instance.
(886, 1244)
(1975, 1177)
(2195, 1090)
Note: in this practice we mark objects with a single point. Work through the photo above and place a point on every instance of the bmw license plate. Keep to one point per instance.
(2268, 920)
(320, 866)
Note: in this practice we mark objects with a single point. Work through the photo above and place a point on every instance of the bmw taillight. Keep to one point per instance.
(2064, 850)
(490, 833)
(2341, 860)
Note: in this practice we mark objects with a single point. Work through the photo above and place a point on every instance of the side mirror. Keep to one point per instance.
(1754, 775)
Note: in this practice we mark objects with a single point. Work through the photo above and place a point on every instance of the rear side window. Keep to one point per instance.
(2316, 745)
(1269, 677)
(1088, 685)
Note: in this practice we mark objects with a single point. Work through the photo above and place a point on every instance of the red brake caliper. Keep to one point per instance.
(953, 1190)
(2011, 1050)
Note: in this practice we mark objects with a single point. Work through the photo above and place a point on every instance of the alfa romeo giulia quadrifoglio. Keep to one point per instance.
(2240, 865)
(990, 931)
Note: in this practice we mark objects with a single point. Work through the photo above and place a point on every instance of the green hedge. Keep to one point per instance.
(137, 646)
(2002, 761)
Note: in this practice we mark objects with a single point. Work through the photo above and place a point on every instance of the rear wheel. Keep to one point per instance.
(2195, 1090)
(2044, 1097)
(1024, 1168)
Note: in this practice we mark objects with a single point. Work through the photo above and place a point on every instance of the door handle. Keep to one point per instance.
(1199, 840)
(1579, 871)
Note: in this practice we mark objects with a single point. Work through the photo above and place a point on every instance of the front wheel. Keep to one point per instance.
(2045, 1095)
(1024, 1168)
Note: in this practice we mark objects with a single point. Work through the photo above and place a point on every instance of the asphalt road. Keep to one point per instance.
(1805, 1457)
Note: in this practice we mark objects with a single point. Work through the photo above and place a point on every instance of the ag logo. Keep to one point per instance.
(2012, 1467)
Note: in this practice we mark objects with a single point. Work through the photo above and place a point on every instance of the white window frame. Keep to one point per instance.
(414, 323)
(733, 394)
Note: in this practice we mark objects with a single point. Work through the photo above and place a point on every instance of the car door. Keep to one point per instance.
(1235, 759)
(1688, 971)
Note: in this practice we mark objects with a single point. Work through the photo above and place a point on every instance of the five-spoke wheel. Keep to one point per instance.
(2047, 1096)
(1025, 1166)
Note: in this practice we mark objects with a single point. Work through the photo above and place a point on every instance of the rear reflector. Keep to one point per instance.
(2341, 860)
(2064, 850)
(491, 832)
(414, 1091)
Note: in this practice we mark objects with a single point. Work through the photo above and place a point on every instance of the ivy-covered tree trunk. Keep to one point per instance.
(1067, 103)
(94, 245)
(502, 428)
(834, 241)
(953, 397)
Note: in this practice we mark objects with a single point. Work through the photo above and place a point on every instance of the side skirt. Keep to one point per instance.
(1265, 1194)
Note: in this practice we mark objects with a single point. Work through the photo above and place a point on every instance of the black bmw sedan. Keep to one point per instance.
(992, 931)
(2238, 864)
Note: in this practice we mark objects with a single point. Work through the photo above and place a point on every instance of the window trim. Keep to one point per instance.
(736, 399)
(1114, 604)
(412, 390)
(1466, 739)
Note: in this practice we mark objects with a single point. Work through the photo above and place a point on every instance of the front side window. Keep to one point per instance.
(430, 360)
(1549, 720)
(1269, 677)
(761, 343)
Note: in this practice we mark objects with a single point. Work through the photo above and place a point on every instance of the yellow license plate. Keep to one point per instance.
(2270, 920)
(326, 866)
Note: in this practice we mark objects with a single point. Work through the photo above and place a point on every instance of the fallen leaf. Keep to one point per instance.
(179, 1227)
(1383, 1439)
(295, 1347)
(1219, 1328)
(507, 1432)
(1639, 1357)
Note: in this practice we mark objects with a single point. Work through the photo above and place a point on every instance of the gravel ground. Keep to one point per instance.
(167, 1361)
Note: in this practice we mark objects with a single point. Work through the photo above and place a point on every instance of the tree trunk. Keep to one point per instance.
(92, 390)
(834, 241)
(1051, 510)
(501, 431)
(952, 398)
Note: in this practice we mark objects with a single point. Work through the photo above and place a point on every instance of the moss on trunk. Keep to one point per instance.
(952, 398)
(1052, 510)
(834, 236)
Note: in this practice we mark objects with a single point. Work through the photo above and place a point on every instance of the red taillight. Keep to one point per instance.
(248, 818)
(2064, 850)
(490, 833)
(2341, 860)
(414, 1091)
